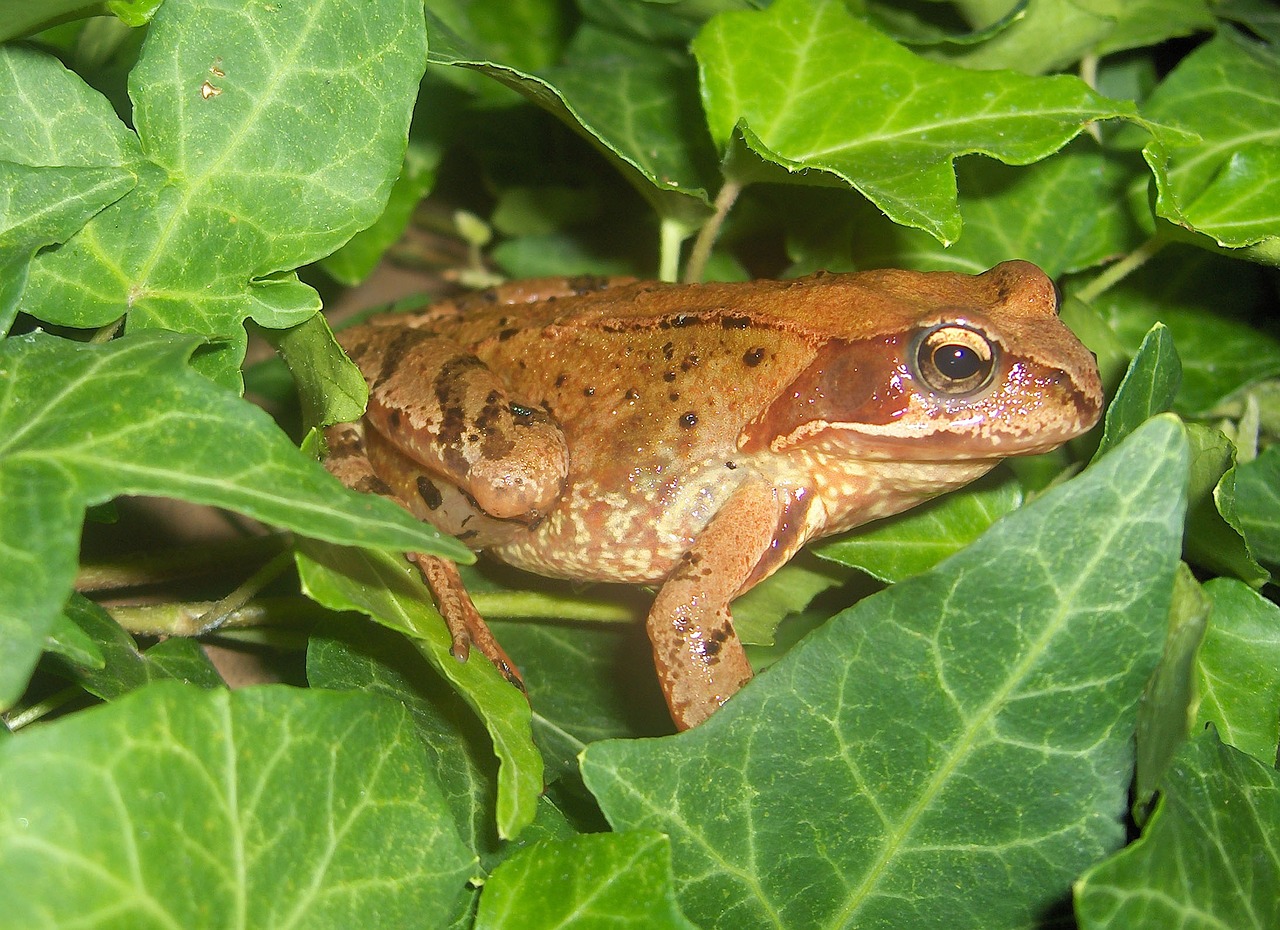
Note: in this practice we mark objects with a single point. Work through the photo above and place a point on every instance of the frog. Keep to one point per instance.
(694, 437)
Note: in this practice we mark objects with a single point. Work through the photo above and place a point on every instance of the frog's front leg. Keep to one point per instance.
(448, 413)
(700, 660)
(348, 461)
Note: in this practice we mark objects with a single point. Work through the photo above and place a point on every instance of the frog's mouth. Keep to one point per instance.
(979, 429)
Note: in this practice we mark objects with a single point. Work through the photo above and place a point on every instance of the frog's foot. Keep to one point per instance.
(465, 624)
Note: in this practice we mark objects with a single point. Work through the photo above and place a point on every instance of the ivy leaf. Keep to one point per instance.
(81, 424)
(1211, 542)
(1053, 34)
(1148, 388)
(789, 590)
(1239, 668)
(919, 539)
(964, 735)
(44, 206)
(1204, 299)
(1168, 705)
(810, 87)
(1207, 857)
(586, 683)
(267, 807)
(123, 666)
(390, 591)
(373, 659)
(584, 881)
(268, 145)
(625, 96)
(1227, 185)
(1252, 504)
(1071, 209)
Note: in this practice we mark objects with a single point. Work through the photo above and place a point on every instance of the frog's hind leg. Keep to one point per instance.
(465, 624)
(348, 462)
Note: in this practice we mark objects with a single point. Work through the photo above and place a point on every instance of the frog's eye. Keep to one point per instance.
(955, 360)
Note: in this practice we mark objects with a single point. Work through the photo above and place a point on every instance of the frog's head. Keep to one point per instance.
(938, 366)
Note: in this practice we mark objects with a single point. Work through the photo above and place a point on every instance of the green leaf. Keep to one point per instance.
(586, 683)
(268, 807)
(41, 207)
(123, 666)
(1071, 213)
(1211, 542)
(1207, 858)
(627, 97)
(811, 88)
(1254, 506)
(919, 539)
(81, 424)
(352, 263)
(1205, 300)
(1168, 705)
(390, 591)
(1148, 388)
(586, 882)
(75, 128)
(1239, 669)
(964, 736)
(268, 146)
(757, 613)
(1053, 34)
(330, 387)
(1227, 184)
(371, 658)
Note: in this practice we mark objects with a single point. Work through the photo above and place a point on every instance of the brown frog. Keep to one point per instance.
(696, 436)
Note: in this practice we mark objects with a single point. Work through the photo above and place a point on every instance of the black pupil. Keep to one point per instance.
(957, 362)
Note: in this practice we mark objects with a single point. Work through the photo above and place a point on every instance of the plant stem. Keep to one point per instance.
(183, 618)
(671, 237)
(710, 230)
(542, 605)
(216, 615)
(1089, 74)
(43, 708)
(1121, 269)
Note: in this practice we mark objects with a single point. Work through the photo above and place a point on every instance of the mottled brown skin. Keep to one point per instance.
(696, 436)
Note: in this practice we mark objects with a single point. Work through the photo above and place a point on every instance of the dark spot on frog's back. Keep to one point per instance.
(394, 354)
(507, 334)
(588, 283)
(735, 322)
(689, 420)
(429, 493)
(751, 358)
(394, 417)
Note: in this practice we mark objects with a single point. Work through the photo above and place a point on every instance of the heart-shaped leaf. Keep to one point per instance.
(81, 424)
(267, 145)
(964, 736)
(176, 807)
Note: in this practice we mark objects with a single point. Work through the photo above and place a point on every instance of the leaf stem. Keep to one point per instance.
(1089, 74)
(34, 712)
(671, 237)
(710, 230)
(1121, 269)
(216, 615)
